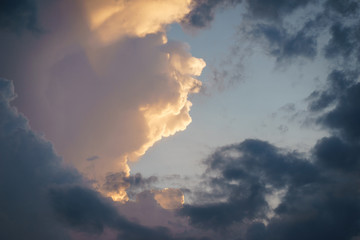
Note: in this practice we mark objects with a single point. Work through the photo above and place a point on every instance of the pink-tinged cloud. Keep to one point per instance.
(105, 81)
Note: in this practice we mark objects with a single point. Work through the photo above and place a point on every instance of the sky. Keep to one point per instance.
(180, 119)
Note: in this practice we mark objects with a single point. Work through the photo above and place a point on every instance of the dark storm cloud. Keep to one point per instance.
(282, 45)
(284, 42)
(344, 42)
(18, 15)
(203, 12)
(335, 153)
(321, 200)
(86, 210)
(246, 173)
(28, 167)
(337, 17)
(274, 9)
(344, 7)
(346, 116)
(337, 83)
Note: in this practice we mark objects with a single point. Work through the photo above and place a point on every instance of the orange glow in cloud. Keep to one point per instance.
(169, 198)
(111, 20)
(165, 119)
(111, 84)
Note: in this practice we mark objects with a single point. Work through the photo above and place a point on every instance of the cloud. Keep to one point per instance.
(335, 153)
(240, 177)
(282, 45)
(345, 8)
(203, 11)
(85, 210)
(111, 20)
(337, 83)
(344, 42)
(272, 193)
(169, 198)
(117, 183)
(274, 9)
(28, 167)
(17, 16)
(99, 90)
(346, 114)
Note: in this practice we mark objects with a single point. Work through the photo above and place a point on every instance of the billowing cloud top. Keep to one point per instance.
(108, 82)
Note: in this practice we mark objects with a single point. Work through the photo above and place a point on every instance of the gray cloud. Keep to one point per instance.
(133, 183)
(28, 167)
(203, 12)
(318, 203)
(345, 7)
(346, 115)
(246, 173)
(282, 45)
(337, 83)
(274, 9)
(19, 15)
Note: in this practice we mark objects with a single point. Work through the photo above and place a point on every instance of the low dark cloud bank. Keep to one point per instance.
(321, 198)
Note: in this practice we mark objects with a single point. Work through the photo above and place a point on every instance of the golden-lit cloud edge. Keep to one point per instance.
(110, 21)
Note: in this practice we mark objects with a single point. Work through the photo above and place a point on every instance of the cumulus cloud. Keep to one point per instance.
(100, 90)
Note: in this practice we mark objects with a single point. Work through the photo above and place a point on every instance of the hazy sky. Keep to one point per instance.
(181, 119)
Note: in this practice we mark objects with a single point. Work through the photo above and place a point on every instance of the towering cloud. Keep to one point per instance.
(106, 82)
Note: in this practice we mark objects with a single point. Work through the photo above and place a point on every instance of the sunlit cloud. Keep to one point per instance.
(109, 83)
(111, 20)
(169, 198)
